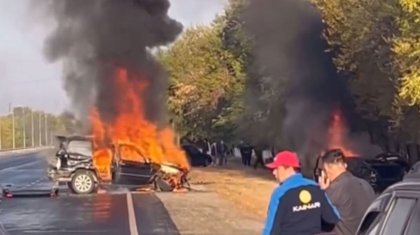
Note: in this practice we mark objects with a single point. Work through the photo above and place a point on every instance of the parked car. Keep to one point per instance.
(75, 166)
(396, 211)
(380, 171)
(195, 156)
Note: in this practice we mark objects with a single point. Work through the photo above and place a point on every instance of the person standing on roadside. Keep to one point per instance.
(349, 194)
(221, 152)
(246, 153)
(207, 146)
(213, 152)
(297, 206)
(259, 156)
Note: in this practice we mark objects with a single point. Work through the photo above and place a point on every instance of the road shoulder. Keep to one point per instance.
(206, 213)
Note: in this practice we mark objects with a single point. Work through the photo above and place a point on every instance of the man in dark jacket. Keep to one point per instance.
(349, 194)
(298, 206)
(246, 153)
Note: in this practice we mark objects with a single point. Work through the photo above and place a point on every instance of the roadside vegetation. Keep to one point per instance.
(34, 128)
(375, 44)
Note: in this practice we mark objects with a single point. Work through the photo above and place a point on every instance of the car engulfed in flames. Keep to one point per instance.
(132, 146)
(164, 176)
(129, 147)
(85, 169)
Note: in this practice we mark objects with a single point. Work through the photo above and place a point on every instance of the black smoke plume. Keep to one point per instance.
(298, 74)
(95, 37)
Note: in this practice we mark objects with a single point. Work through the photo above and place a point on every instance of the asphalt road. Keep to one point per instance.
(116, 212)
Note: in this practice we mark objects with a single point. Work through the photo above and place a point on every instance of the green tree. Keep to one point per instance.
(206, 83)
(6, 132)
(376, 43)
(30, 124)
(407, 50)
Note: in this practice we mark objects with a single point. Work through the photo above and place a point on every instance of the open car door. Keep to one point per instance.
(130, 167)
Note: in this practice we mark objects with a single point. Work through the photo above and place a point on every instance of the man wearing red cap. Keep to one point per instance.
(298, 206)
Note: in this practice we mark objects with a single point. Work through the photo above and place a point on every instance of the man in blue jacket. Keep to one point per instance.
(298, 206)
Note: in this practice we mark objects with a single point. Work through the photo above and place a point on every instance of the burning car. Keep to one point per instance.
(84, 169)
(380, 171)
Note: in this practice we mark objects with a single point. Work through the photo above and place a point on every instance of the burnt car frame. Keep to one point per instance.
(75, 167)
(74, 164)
(381, 171)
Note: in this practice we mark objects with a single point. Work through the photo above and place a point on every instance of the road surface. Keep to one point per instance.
(115, 212)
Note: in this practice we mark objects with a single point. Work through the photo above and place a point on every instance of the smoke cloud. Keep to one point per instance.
(93, 38)
(298, 73)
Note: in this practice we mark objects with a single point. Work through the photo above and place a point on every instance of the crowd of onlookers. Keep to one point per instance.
(261, 153)
(251, 155)
(218, 149)
(334, 204)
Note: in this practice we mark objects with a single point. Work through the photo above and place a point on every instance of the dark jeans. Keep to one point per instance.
(259, 161)
(247, 159)
(222, 159)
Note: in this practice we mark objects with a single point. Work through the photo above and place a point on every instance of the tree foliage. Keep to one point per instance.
(406, 47)
(376, 43)
(206, 82)
(29, 123)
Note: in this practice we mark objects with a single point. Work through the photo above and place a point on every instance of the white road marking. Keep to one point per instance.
(131, 215)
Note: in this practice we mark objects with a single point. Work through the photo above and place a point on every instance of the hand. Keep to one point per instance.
(323, 181)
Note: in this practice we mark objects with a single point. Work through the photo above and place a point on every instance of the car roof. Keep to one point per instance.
(411, 182)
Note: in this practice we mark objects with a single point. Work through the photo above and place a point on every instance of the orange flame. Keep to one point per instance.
(140, 139)
(337, 133)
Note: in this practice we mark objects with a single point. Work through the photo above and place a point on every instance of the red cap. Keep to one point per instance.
(285, 158)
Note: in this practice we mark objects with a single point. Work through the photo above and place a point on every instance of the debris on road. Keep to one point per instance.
(10, 193)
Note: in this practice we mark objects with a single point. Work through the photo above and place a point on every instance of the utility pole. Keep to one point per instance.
(46, 129)
(13, 127)
(32, 129)
(40, 129)
(24, 128)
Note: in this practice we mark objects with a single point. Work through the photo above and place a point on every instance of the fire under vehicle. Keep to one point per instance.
(381, 171)
(78, 165)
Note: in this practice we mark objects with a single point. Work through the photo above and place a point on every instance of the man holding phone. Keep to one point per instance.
(349, 194)
(298, 206)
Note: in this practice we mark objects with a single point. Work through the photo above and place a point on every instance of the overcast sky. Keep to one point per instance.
(27, 79)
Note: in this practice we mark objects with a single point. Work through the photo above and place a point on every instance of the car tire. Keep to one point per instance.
(161, 185)
(83, 182)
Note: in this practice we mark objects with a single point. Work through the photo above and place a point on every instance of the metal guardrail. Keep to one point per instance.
(22, 150)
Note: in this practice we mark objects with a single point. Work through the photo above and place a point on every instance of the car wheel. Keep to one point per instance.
(162, 185)
(83, 182)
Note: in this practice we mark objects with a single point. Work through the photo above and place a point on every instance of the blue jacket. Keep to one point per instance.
(299, 207)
